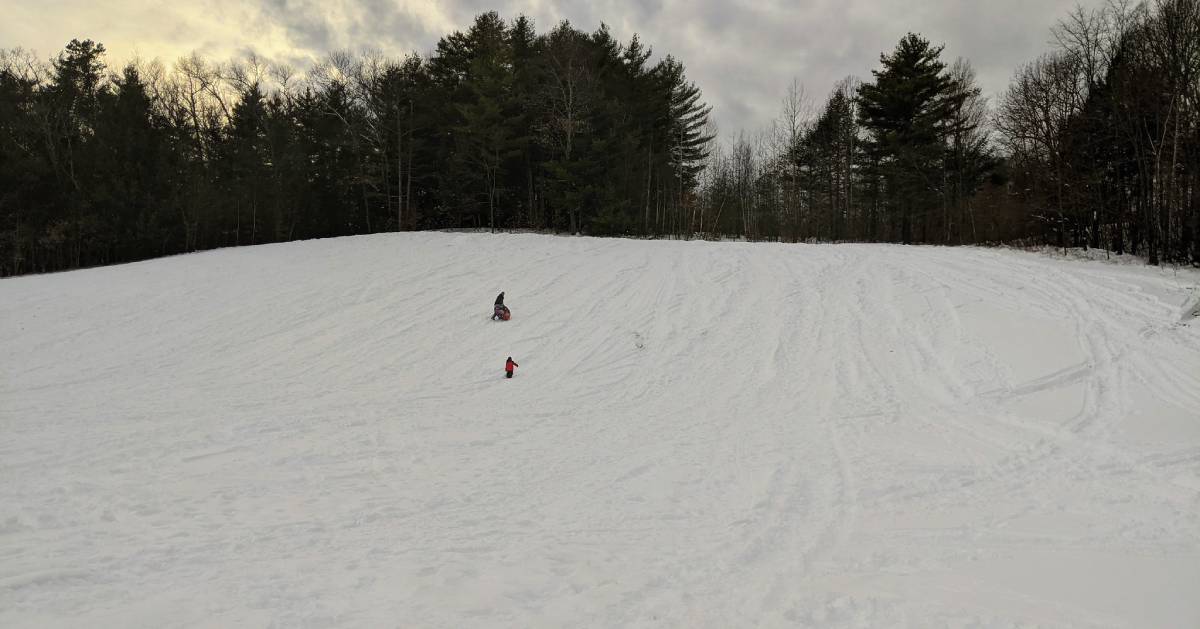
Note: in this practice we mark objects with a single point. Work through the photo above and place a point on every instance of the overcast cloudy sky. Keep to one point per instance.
(742, 53)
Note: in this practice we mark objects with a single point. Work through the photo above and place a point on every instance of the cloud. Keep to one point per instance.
(742, 53)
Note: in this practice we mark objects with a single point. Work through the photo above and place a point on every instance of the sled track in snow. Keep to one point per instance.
(700, 434)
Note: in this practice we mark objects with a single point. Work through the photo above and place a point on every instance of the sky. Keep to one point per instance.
(743, 54)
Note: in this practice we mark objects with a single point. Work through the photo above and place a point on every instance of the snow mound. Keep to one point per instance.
(1191, 311)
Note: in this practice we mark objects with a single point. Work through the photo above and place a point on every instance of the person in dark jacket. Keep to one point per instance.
(500, 311)
(509, 366)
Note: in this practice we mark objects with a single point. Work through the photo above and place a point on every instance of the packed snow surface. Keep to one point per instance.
(320, 434)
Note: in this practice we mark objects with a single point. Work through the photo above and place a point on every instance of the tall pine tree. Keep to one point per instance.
(907, 110)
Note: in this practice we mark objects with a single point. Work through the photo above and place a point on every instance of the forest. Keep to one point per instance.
(1095, 143)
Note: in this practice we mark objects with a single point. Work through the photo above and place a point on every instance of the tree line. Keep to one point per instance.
(1094, 144)
(500, 127)
(1103, 132)
(898, 159)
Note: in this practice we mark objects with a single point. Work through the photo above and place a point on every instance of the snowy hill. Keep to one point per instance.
(319, 434)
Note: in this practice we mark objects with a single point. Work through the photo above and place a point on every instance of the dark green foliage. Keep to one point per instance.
(827, 156)
(505, 128)
(500, 127)
(899, 160)
(907, 112)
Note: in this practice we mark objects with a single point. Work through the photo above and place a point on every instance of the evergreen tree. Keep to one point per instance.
(488, 113)
(71, 105)
(687, 118)
(126, 178)
(829, 161)
(907, 110)
(520, 181)
(570, 93)
(246, 156)
(27, 195)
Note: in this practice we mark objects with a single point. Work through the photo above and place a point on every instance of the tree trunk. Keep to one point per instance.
(649, 172)
(406, 201)
(399, 172)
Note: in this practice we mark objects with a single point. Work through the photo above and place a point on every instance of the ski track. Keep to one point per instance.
(319, 434)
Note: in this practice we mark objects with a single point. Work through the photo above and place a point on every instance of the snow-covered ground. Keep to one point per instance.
(699, 435)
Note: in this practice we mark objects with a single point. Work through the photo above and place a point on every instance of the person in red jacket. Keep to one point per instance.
(509, 366)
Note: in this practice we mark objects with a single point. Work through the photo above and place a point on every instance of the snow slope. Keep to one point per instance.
(319, 434)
